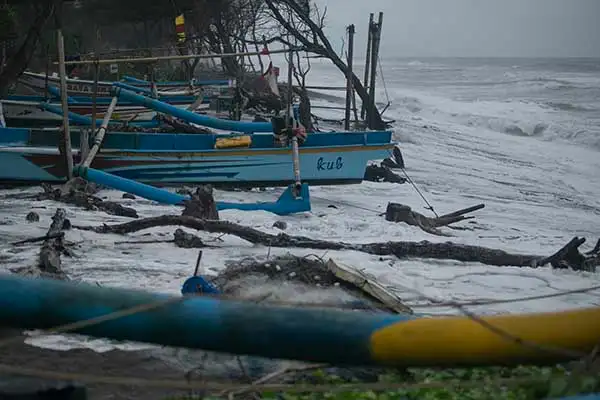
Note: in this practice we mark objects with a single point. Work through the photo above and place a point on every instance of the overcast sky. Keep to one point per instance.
(472, 28)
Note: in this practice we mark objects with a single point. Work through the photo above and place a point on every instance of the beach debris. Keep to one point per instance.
(282, 225)
(382, 173)
(32, 216)
(401, 249)
(367, 284)
(79, 192)
(569, 257)
(397, 212)
(306, 280)
(187, 240)
(49, 263)
(202, 204)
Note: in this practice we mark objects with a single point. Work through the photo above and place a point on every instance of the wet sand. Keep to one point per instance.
(139, 364)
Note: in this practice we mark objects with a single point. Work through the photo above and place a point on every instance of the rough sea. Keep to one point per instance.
(520, 135)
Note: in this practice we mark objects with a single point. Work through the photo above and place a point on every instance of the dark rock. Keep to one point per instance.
(128, 196)
(280, 225)
(187, 240)
(32, 217)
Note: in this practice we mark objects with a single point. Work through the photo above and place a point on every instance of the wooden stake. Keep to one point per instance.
(349, 77)
(95, 95)
(84, 143)
(65, 104)
(374, 60)
(367, 64)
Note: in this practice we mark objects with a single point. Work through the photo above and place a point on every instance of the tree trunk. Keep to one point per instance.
(20, 60)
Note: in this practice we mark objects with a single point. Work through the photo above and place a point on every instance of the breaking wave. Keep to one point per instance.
(549, 120)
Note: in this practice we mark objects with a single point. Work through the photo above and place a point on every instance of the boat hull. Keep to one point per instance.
(152, 162)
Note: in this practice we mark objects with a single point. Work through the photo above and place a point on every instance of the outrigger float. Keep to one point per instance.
(306, 334)
(293, 200)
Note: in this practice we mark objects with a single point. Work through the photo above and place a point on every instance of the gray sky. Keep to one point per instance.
(473, 28)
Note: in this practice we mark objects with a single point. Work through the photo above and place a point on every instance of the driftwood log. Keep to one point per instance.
(396, 212)
(79, 192)
(423, 249)
(48, 263)
(181, 126)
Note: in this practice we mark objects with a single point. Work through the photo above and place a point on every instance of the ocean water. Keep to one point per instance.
(521, 136)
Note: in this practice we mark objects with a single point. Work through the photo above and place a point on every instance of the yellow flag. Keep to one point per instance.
(180, 28)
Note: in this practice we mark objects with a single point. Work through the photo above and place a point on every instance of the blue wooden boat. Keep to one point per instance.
(31, 156)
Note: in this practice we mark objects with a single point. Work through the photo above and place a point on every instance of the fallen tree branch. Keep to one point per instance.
(397, 212)
(40, 238)
(424, 249)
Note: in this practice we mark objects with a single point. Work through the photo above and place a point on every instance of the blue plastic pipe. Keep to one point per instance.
(87, 121)
(129, 186)
(133, 88)
(54, 91)
(198, 119)
(287, 203)
(73, 117)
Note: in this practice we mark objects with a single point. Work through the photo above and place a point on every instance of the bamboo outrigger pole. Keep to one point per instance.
(177, 58)
(99, 136)
(289, 126)
(349, 77)
(374, 60)
(367, 64)
(64, 99)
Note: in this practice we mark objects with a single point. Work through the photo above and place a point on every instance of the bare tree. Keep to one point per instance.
(299, 22)
(17, 58)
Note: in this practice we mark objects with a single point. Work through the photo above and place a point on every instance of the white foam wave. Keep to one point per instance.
(514, 117)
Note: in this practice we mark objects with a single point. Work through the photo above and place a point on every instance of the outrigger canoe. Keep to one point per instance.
(31, 156)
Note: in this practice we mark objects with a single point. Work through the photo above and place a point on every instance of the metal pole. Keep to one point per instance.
(374, 60)
(65, 105)
(367, 64)
(349, 77)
